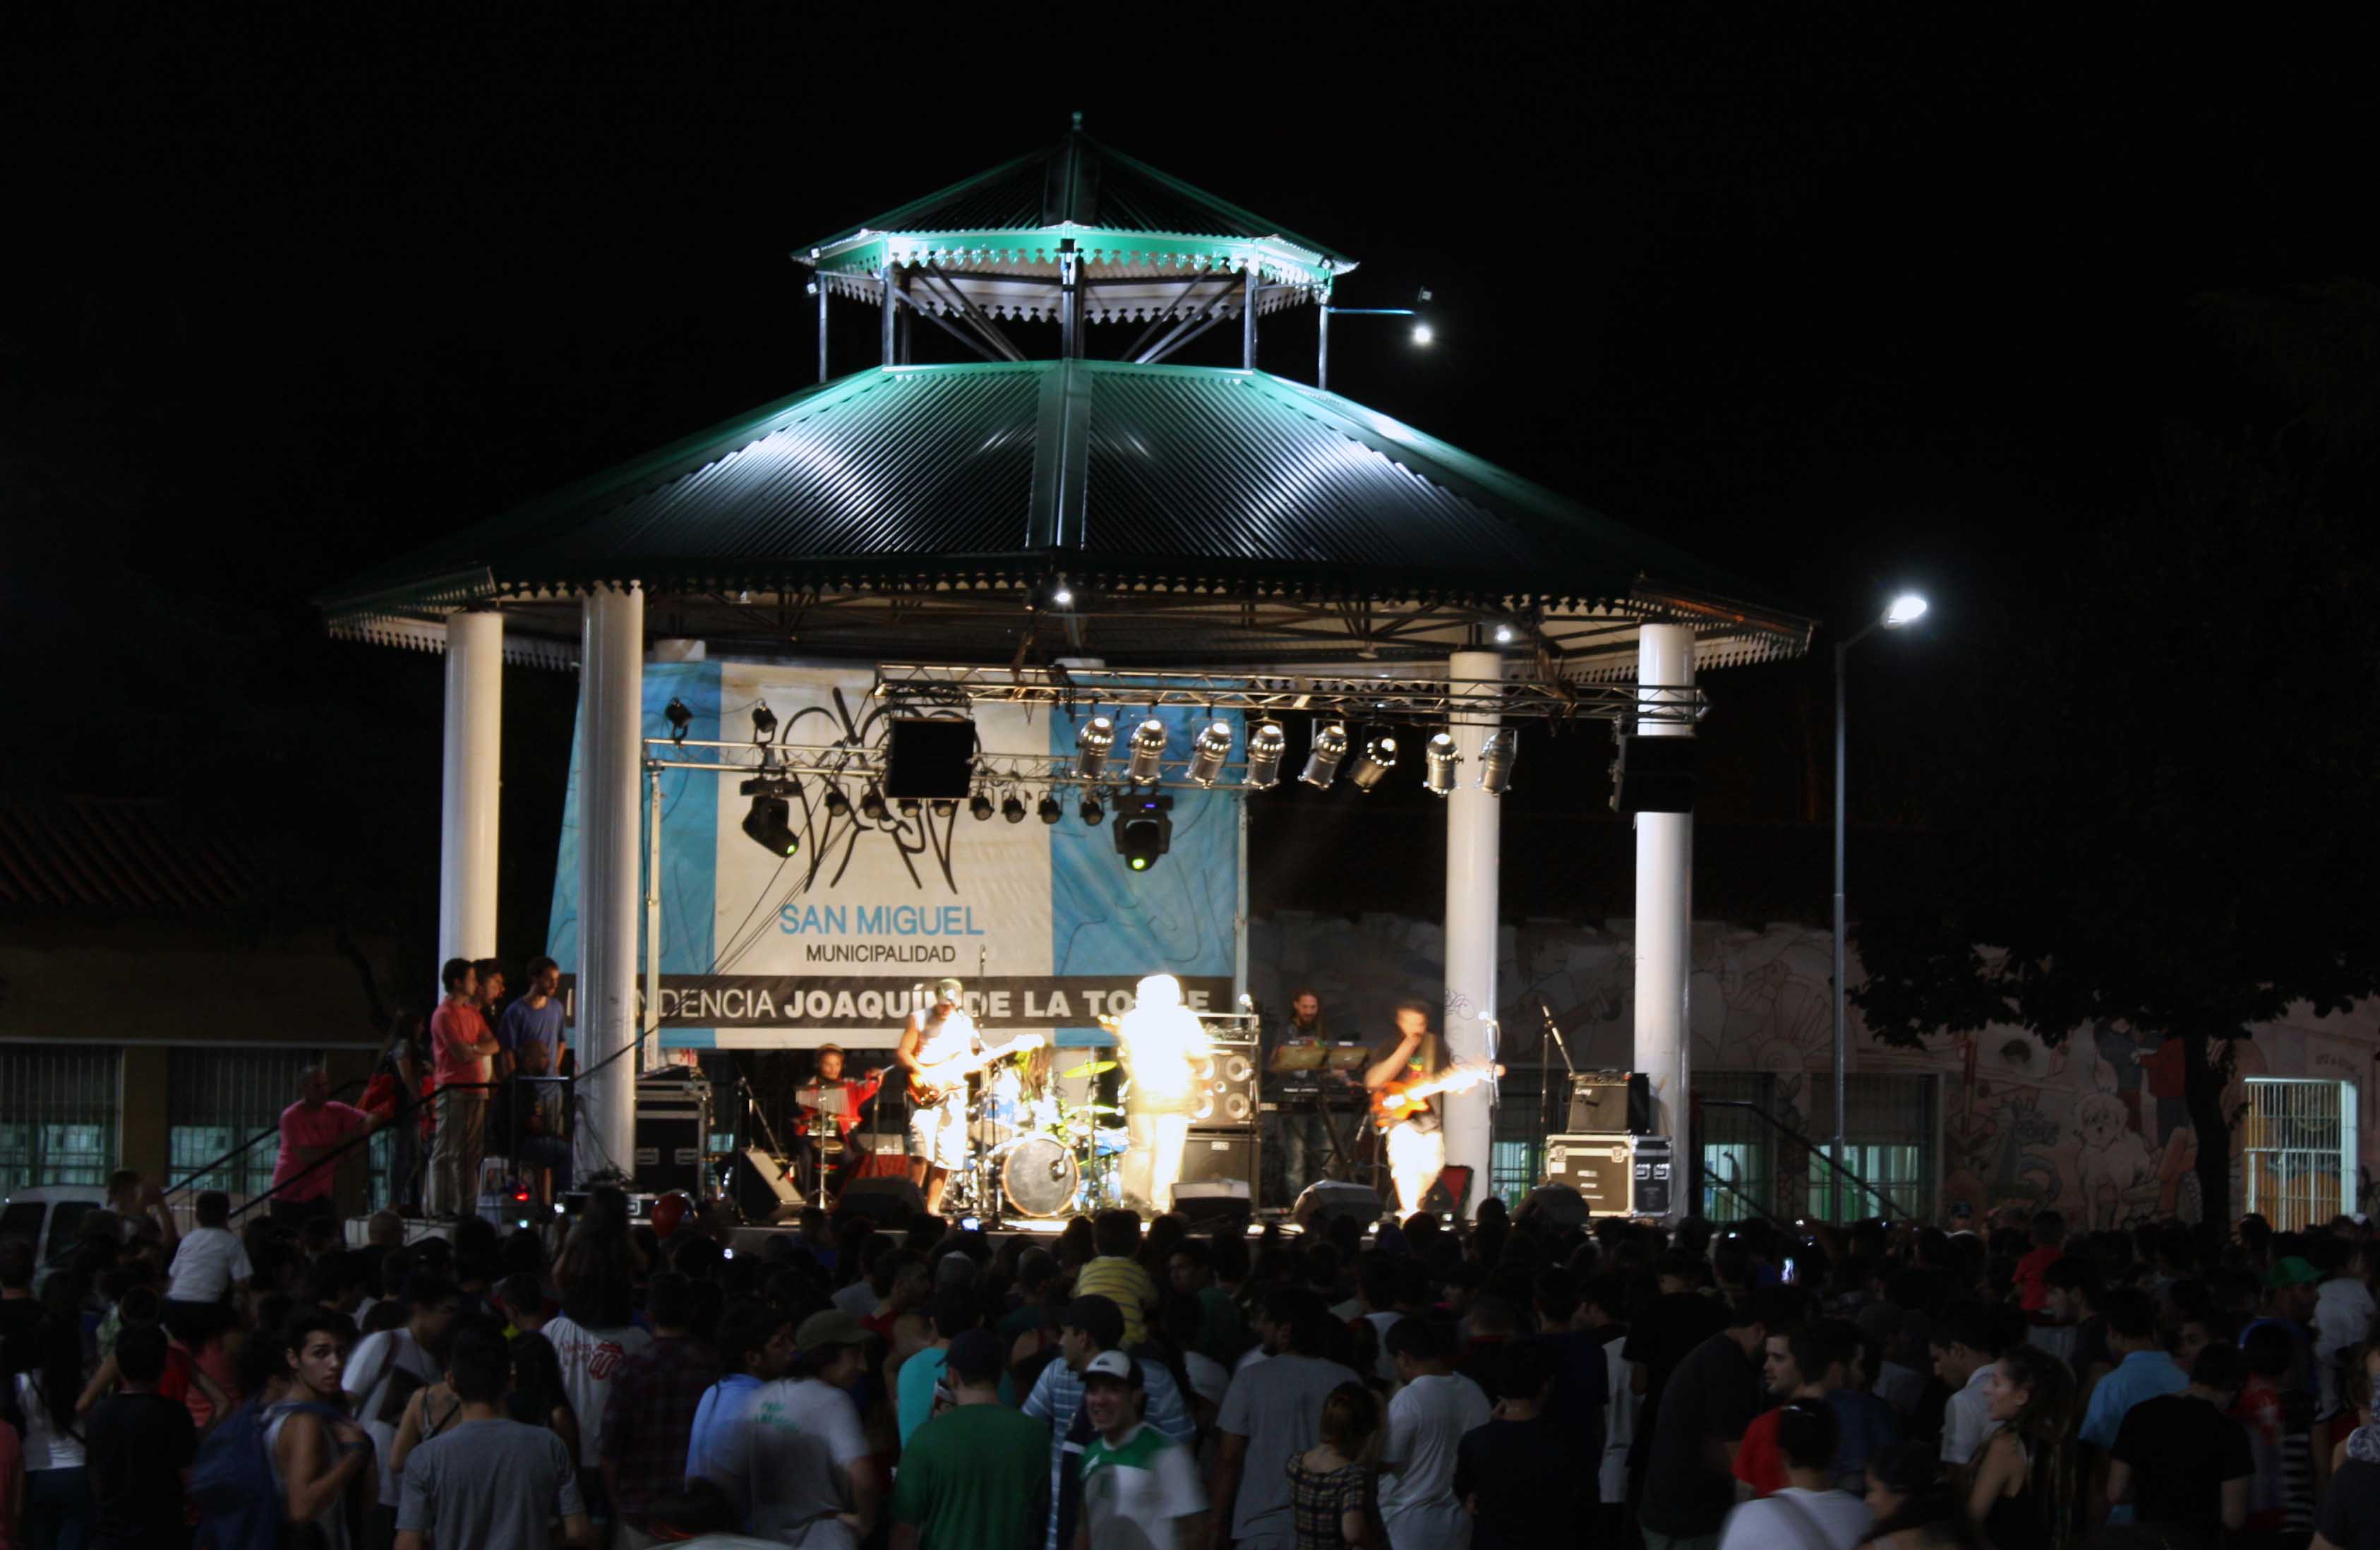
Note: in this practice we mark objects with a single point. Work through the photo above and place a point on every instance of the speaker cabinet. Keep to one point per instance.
(1229, 1100)
(1617, 1175)
(1211, 1156)
(930, 759)
(765, 1191)
(1218, 1205)
(1602, 1101)
(1321, 1201)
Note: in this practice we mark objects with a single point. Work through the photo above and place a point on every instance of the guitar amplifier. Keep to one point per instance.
(1210, 1156)
(1610, 1101)
(1615, 1173)
(1228, 1101)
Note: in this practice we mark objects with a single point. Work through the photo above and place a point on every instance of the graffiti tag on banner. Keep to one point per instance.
(858, 1003)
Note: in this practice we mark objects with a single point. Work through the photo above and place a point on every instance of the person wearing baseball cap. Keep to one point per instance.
(977, 1472)
(1089, 1327)
(940, 1035)
(1140, 1487)
(800, 1468)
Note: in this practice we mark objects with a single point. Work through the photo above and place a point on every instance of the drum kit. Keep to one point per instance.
(1040, 1157)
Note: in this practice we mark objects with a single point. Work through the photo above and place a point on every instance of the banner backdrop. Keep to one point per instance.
(1044, 922)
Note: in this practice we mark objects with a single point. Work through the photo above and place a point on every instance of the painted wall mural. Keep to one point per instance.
(2094, 1126)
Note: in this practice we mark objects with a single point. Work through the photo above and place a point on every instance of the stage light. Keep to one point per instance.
(680, 717)
(871, 805)
(1144, 830)
(1207, 752)
(908, 806)
(1496, 757)
(1050, 810)
(768, 826)
(1147, 750)
(1379, 758)
(1091, 745)
(1064, 596)
(980, 805)
(1090, 811)
(1438, 764)
(945, 807)
(1322, 757)
(1012, 809)
(1423, 334)
(837, 804)
(764, 723)
(1906, 608)
(1265, 745)
(1505, 634)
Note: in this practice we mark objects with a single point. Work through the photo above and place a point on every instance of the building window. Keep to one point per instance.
(1515, 1167)
(1736, 1144)
(2297, 1146)
(223, 1100)
(57, 1114)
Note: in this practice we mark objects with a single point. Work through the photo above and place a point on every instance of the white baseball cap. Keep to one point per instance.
(1112, 1364)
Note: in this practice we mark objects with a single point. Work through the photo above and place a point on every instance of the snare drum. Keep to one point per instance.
(1037, 1175)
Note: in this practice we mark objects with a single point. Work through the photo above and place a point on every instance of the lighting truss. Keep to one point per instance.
(859, 768)
(916, 687)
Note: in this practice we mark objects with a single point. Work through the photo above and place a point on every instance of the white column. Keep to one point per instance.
(1665, 853)
(1474, 828)
(611, 723)
(470, 783)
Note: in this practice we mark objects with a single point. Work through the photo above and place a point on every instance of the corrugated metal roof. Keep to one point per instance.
(123, 856)
(1137, 477)
(1078, 181)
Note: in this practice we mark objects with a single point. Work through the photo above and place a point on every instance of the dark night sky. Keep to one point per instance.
(1840, 297)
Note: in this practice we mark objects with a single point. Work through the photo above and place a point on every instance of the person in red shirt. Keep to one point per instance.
(311, 1128)
(460, 1045)
(1801, 1364)
(2048, 1248)
(839, 1167)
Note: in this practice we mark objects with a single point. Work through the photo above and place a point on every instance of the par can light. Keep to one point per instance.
(1438, 764)
(1266, 744)
(1147, 751)
(1496, 757)
(1379, 756)
(1208, 752)
(1322, 758)
(1091, 745)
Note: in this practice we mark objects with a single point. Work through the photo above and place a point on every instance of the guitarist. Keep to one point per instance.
(1416, 1146)
(938, 1129)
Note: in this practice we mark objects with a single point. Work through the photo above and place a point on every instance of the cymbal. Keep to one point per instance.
(1090, 1068)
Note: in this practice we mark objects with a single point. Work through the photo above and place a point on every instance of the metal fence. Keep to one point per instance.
(2297, 1144)
(57, 1114)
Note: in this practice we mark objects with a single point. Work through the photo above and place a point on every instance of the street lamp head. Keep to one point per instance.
(1422, 334)
(1906, 608)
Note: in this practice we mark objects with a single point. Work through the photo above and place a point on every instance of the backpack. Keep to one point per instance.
(232, 1482)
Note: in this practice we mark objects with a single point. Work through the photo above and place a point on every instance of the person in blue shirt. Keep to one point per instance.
(755, 1345)
(534, 1017)
(2143, 1371)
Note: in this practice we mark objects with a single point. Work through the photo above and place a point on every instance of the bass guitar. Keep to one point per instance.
(1399, 1101)
(929, 1085)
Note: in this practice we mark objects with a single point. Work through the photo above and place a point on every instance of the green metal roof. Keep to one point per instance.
(1115, 209)
(1128, 480)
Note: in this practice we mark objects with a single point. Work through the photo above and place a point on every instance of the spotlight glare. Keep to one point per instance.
(1379, 756)
(1438, 764)
(1012, 809)
(768, 826)
(1423, 334)
(1322, 757)
(1266, 744)
(1503, 635)
(1091, 812)
(1147, 750)
(1050, 810)
(1064, 596)
(1496, 757)
(1091, 745)
(980, 805)
(1209, 751)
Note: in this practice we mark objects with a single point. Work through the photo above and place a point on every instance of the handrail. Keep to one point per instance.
(1817, 1149)
(1731, 1187)
(252, 1143)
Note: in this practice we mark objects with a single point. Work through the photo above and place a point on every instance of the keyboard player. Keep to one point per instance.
(1294, 1131)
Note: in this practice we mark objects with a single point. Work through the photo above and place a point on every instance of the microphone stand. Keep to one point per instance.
(1553, 1030)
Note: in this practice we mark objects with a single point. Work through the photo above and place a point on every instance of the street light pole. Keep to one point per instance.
(1906, 608)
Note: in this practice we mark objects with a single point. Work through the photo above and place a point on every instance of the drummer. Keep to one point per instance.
(843, 1165)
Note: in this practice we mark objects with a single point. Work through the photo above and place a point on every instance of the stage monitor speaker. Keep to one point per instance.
(1228, 1101)
(1319, 1202)
(1448, 1196)
(1654, 775)
(1213, 1155)
(1610, 1100)
(764, 1187)
(930, 759)
(1617, 1175)
(1216, 1204)
(1558, 1203)
(889, 1202)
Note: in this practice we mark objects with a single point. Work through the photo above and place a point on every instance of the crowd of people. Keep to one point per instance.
(1516, 1382)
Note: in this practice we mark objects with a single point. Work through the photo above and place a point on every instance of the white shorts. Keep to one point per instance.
(938, 1134)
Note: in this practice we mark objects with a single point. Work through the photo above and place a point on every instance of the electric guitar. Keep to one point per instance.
(931, 1084)
(1399, 1101)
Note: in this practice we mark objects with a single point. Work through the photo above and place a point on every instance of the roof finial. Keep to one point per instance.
(1078, 121)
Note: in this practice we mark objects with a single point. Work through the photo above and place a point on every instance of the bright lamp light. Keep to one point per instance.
(1906, 608)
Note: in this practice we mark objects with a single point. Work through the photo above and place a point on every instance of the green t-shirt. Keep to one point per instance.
(976, 1478)
(1135, 1491)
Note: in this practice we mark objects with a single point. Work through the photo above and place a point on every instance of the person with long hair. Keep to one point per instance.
(317, 1460)
(1331, 1483)
(1906, 1492)
(537, 1397)
(60, 1512)
(2022, 1494)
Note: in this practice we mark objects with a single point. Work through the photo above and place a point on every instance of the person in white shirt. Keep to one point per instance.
(1434, 1406)
(1963, 1353)
(210, 1265)
(1807, 1511)
(1167, 1054)
(592, 1340)
(380, 1374)
(799, 1466)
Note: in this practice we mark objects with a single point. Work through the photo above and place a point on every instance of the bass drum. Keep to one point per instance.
(1037, 1175)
